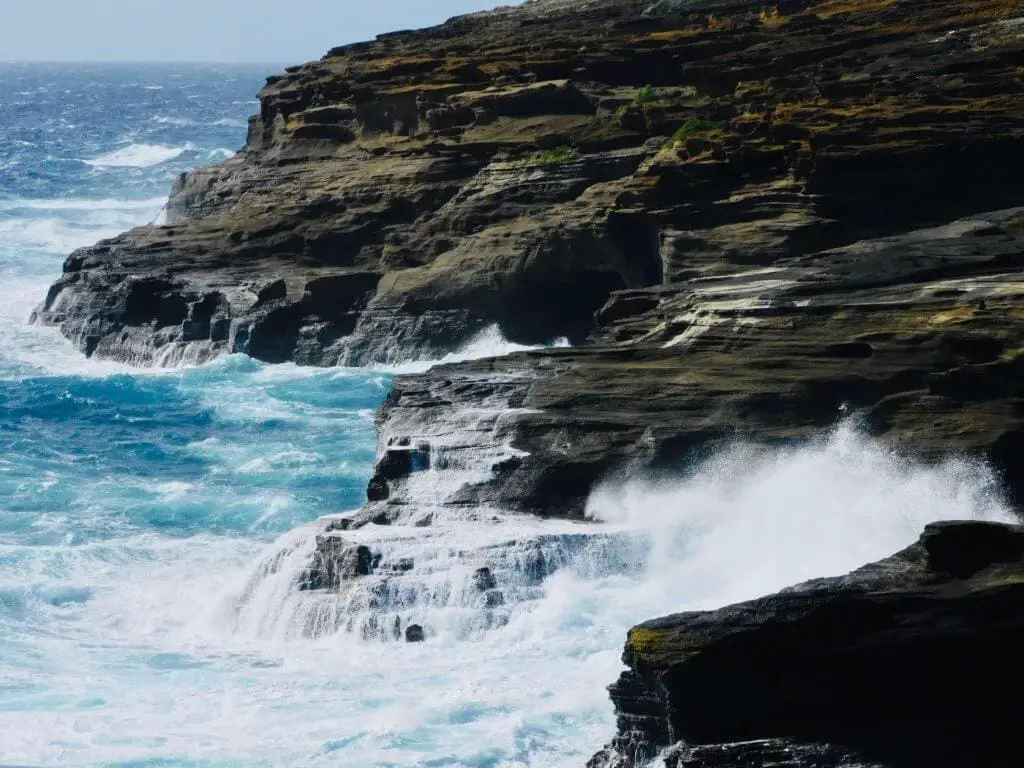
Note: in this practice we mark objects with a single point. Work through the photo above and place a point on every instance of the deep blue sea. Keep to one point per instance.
(152, 522)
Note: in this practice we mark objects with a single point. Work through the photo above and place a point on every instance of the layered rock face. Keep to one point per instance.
(917, 337)
(907, 662)
(514, 167)
(777, 211)
(836, 236)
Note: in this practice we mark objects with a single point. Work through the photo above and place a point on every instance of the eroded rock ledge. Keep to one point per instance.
(514, 167)
(747, 216)
(917, 337)
(911, 662)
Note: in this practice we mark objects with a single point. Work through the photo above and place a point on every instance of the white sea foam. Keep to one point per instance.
(52, 235)
(752, 521)
(139, 156)
(35, 236)
(204, 648)
(76, 204)
(490, 342)
(31, 349)
(171, 120)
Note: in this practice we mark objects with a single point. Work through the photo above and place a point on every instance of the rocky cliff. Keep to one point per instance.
(748, 217)
(908, 662)
(751, 219)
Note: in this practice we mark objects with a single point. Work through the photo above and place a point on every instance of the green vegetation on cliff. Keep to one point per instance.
(698, 125)
(554, 156)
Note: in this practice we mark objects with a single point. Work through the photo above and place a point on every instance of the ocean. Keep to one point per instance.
(154, 523)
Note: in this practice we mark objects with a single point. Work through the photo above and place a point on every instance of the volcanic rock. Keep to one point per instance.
(519, 166)
(909, 662)
(334, 561)
(484, 580)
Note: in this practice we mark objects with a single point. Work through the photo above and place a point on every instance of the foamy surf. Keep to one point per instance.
(139, 156)
(35, 236)
(489, 342)
(52, 234)
(73, 204)
(221, 630)
(170, 120)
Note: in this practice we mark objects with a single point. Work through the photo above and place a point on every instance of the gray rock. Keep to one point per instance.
(335, 561)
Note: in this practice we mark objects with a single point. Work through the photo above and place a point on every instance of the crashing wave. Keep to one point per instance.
(139, 156)
(490, 342)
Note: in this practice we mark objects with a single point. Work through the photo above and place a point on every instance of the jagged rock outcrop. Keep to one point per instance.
(779, 211)
(909, 662)
(751, 218)
(514, 167)
(336, 560)
(917, 336)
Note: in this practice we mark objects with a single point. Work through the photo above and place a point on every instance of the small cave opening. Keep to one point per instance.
(638, 238)
(626, 254)
(154, 301)
(556, 308)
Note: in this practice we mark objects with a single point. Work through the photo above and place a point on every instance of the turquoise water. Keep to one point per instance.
(109, 475)
(105, 451)
(153, 524)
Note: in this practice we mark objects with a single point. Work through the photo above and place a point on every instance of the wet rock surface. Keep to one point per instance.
(336, 560)
(458, 579)
(916, 337)
(776, 753)
(906, 662)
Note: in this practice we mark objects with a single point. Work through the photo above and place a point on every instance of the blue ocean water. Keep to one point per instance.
(87, 151)
(101, 467)
(152, 523)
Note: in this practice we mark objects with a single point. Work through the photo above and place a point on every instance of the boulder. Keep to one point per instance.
(335, 561)
(911, 662)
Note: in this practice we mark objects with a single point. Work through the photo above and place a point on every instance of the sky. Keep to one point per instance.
(258, 31)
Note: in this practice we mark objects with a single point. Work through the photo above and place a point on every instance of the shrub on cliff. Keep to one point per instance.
(698, 125)
(646, 95)
(563, 154)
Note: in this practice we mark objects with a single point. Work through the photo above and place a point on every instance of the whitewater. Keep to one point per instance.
(155, 525)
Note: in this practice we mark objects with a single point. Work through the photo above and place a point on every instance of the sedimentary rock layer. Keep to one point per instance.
(751, 216)
(751, 219)
(907, 662)
(916, 337)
